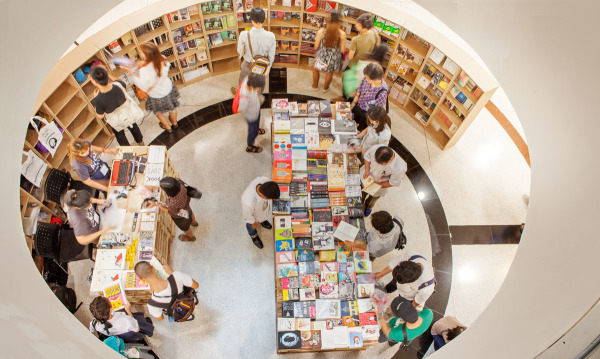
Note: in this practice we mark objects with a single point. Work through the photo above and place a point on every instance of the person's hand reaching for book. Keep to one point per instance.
(255, 225)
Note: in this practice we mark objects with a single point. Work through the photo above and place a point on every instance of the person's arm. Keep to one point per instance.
(248, 214)
(382, 273)
(90, 182)
(385, 325)
(271, 54)
(318, 39)
(367, 169)
(352, 49)
(342, 41)
(112, 151)
(385, 184)
(195, 284)
(92, 237)
(241, 46)
(362, 133)
(423, 295)
(133, 324)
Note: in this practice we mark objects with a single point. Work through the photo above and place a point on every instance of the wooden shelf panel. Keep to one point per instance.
(451, 115)
(152, 34)
(177, 24)
(279, 37)
(224, 44)
(283, 23)
(420, 103)
(61, 153)
(225, 66)
(466, 91)
(411, 64)
(80, 123)
(125, 49)
(457, 103)
(287, 52)
(424, 92)
(412, 79)
(221, 53)
(285, 8)
(91, 130)
(59, 98)
(218, 14)
(440, 68)
(414, 45)
(438, 136)
(102, 139)
(285, 64)
(71, 111)
(88, 90)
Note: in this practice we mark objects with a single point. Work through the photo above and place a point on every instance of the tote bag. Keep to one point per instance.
(125, 115)
(33, 168)
(49, 136)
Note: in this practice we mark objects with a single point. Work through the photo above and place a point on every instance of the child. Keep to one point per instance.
(249, 106)
(379, 130)
(128, 326)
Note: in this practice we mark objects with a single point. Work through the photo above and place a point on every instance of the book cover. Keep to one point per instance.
(286, 324)
(290, 294)
(351, 321)
(370, 332)
(303, 243)
(115, 294)
(326, 141)
(291, 282)
(365, 305)
(307, 267)
(305, 255)
(341, 337)
(356, 340)
(309, 281)
(368, 318)
(311, 339)
(283, 234)
(287, 309)
(283, 245)
(323, 243)
(332, 323)
(133, 282)
(111, 258)
(281, 206)
(324, 125)
(328, 309)
(302, 324)
(286, 270)
(307, 294)
(344, 256)
(289, 340)
(282, 222)
(327, 255)
(328, 276)
(284, 257)
(366, 290)
(346, 290)
(328, 290)
(365, 278)
(302, 309)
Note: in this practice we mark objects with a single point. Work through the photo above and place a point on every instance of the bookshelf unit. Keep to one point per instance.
(68, 103)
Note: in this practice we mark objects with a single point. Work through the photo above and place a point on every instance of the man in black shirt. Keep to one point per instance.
(108, 98)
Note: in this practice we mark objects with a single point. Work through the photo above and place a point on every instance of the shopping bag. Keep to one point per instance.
(33, 168)
(49, 136)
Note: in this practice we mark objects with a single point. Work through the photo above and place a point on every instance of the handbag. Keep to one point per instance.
(125, 115)
(260, 63)
(50, 136)
(320, 65)
(140, 94)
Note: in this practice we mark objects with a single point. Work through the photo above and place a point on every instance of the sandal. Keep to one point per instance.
(254, 149)
(261, 131)
(169, 130)
(183, 236)
(194, 225)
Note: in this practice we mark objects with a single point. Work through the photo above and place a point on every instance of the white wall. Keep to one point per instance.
(531, 47)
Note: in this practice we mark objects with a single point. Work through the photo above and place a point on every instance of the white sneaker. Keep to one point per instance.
(310, 88)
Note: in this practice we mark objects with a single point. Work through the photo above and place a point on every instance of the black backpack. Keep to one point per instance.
(402, 240)
(67, 297)
(387, 101)
(181, 307)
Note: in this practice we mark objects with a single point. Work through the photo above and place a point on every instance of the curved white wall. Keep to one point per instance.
(530, 50)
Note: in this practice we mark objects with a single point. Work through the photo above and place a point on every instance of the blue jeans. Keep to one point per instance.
(253, 128)
(438, 342)
(253, 232)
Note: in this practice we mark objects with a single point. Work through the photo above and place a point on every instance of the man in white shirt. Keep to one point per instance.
(161, 289)
(387, 169)
(263, 44)
(413, 278)
(257, 206)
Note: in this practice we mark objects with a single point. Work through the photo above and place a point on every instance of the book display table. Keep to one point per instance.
(323, 289)
(140, 234)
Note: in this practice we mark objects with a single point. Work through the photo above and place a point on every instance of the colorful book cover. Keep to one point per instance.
(287, 309)
(311, 339)
(287, 270)
(344, 256)
(290, 282)
(303, 243)
(284, 257)
(309, 281)
(328, 290)
(307, 294)
(366, 290)
(346, 288)
(302, 324)
(133, 282)
(356, 340)
(289, 340)
(329, 267)
(351, 320)
(368, 278)
(329, 276)
(290, 294)
(283, 245)
(305, 255)
(332, 323)
(370, 332)
(283, 234)
(306, 267)
(116, 295)
(368, 318)
(328, 309)
(286, 324)
(327, 255)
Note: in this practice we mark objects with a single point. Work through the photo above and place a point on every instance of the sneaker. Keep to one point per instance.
(310, 88)
(266, 225)
(368, 212)
(257, 242)
(141, 143)
(392, 343)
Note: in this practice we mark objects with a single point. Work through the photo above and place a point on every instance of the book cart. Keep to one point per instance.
(200, 41)
(149, 234)
(321, 289)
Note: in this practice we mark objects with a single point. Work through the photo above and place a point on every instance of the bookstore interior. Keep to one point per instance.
(325, 292)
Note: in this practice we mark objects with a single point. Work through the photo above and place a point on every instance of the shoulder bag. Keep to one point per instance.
(260, 63)
(49, 136)
(125, 115)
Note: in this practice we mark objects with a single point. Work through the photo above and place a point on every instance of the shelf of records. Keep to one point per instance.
(323, 290)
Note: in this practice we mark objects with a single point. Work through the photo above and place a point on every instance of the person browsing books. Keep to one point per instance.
(378, 131)
(445, 330)
(257, 206)
(330, 44)
(82, 216)
(110, 103)
(413, 278)
(249, 106)
(405, 319)
(373, 91)
(352, 77)
(161, 289)
(382, 237)
(88, 166)
(367, 39)
(128, 326)
(387, 169)
(263, 44)
(153, 78)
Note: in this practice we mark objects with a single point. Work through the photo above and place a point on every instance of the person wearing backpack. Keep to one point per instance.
(385, 236)
(165, 296)
(406, 323)
(413, 278)
(110, 103)
(128, 326)
(373, 91)
(256, 47)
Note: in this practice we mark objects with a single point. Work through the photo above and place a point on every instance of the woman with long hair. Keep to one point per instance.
(153, 78)
(87, 164)
(331, 44)
(128, 326)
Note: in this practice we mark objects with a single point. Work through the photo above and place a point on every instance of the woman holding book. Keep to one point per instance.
(153, 78)
(128, 326)
(379, 130)
(330, 44)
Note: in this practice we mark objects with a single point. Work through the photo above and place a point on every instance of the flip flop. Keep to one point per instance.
(261, 131)
(254, 149)
(182, 238)
(194, 225)
(169, 130)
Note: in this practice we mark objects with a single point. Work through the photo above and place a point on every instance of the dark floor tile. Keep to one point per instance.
(170, 139)
(439, 300)
(422, 343)
(402, 151)
(156, 142)
(226, 107)
(421, 183)
(435, 213)
(267, 103)
(471, 235)
(509, 234)
(185, 126)
(441, 248)
(411, 353)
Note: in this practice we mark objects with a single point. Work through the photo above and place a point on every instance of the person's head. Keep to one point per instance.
(378, 118)
(454, 332)
(407, 272)
(79, 150)
(171, 186)
(145, 271)
(255, 81)
(373, 73)
(78, 199)
(384, 155)
(101, 309)
(257, 16)
(364, 22)
(269, 190)
(99, 76)
(151, 54)
(382, 221)
(332, 29)
(378, 54)
(404, 309)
